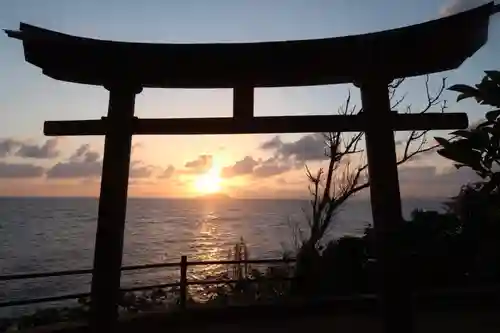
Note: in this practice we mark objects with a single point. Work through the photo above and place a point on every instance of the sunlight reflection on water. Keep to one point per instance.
(47, 234)
(207, 247)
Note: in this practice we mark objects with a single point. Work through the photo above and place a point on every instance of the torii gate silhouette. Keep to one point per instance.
(370, 61)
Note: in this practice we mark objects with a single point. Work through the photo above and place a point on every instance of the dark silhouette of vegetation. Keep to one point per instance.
(79, 310)
(344, 177)
(479, 148)
(457, 248)
(253, 285)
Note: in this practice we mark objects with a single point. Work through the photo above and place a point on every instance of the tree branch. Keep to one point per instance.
(342, 183)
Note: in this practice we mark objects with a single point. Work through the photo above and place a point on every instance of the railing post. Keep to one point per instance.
(183, 282)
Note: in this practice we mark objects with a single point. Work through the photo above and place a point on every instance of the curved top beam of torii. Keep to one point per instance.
(434, 46)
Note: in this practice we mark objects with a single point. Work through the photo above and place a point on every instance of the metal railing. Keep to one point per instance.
(183, 282)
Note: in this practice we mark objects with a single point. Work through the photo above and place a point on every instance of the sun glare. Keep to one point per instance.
(208, 183)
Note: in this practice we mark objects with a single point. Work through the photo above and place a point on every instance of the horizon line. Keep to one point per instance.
(201, 198)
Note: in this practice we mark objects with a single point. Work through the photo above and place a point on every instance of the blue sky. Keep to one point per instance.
(27, 98)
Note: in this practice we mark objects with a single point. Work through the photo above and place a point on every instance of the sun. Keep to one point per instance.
(207, 183)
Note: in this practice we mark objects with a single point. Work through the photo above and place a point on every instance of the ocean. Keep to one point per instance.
(47, 234)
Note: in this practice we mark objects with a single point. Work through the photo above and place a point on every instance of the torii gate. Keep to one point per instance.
(370, 61)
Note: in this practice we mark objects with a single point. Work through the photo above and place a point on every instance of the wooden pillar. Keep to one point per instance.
(395, 297)
(243, 103)
(105, 291)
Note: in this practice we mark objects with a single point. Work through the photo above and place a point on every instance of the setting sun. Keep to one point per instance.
(208, 183)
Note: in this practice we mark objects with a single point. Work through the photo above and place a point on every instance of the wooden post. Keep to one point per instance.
(105, 291)
(183, 283)
(386, 206)
(243, 103)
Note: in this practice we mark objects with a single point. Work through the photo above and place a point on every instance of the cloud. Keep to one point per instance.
(47, 150)
(457, 6)
(75, 170)
(13, 147)
(84, 163)
(167, 173)
(8, 147)
(240, 168)
(200, 165)
(143, 171)
(271, 167)
(296, 181)
(85, 154)
(20, 170)
(141, 182)
(308, 148)
(257, 168)
(274, 143)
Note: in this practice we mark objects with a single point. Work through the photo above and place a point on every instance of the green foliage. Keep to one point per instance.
(130, 303)
(149, 300)
(252, 285)
(485, 93)
(44, 317)
(477, 205)
(430, 245)
(239, 253)
(479, 213)
(265, 286)
(478, 147)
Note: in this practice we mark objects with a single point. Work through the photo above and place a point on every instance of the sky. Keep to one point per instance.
(179, 166)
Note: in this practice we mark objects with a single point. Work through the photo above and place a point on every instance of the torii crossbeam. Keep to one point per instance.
(370, 61)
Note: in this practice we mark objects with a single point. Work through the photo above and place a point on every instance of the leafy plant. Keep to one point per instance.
(239, 253)
(485, 92)
(252, 285)
(477, 204)
(130, 303)
(479, 147)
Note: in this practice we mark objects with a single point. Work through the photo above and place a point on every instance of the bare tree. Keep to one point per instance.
(343, 178)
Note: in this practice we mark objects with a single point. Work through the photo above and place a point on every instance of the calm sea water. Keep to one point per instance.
(46, 234)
